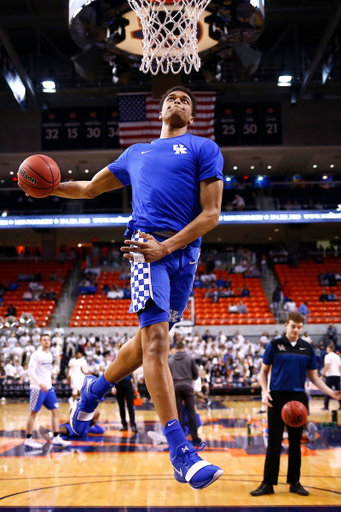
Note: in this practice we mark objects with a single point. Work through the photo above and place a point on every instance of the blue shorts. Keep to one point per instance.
(167, 282)
(39, 398)
(95, 429)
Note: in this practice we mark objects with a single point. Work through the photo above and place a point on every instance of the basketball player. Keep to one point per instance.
(177, 192)
(290, 359)
(66, 430)
(42, 393)
(332, 372)
(77, 369)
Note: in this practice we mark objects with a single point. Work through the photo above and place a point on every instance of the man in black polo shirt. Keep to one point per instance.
(291, 359)
(184, 371)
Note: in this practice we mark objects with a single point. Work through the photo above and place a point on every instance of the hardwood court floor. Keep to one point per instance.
(126, 470)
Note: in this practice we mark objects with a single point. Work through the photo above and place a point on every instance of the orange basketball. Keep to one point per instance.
(38, 176)
(294, 414)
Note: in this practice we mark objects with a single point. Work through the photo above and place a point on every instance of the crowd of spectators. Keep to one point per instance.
(329, 278)
(89, 284)
(247, 199)
(295, 205)
(18, 345)
(35, 291)
(225, 362)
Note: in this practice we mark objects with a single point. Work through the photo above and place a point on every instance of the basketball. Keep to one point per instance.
(294, 414)
(38, 176)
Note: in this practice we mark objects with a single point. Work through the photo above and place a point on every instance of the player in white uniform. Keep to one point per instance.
(42, 393)
(78, 368)
(332, 372)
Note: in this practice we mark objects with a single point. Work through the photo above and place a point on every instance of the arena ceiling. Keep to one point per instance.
(295, 36)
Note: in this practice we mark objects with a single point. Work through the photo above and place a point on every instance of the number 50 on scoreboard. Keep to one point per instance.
(249, 124)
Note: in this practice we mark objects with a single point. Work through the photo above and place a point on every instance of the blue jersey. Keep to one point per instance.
(289, 364)
(165, 177)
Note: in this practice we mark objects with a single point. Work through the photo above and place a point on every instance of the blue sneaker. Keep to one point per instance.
(192, 469)
(84, 409)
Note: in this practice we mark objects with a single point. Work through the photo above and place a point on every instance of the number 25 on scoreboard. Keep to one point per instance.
(228, 129)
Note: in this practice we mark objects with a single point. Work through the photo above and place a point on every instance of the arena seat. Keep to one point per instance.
(102, 311)
(304, 284)
(43, 309)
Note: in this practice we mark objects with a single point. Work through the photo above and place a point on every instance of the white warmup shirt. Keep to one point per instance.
(39, 369)
(77, 370)
(334, 362)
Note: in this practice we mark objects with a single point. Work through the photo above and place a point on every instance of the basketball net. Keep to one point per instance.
(169, 30)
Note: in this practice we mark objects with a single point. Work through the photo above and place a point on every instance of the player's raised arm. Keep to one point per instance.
(103, 181)
(211, 191)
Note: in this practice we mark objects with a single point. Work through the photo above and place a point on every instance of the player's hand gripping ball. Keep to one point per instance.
(294, 414)
(38, 176)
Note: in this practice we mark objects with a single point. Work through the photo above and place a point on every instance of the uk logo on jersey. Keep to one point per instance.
(174, 316)
(179, 149)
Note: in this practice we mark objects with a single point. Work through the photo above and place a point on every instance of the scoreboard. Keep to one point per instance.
(249, 124)
(236, 124)
(80, 128)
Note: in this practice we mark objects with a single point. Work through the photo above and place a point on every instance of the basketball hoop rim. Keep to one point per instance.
(163, 48)
(163, 1)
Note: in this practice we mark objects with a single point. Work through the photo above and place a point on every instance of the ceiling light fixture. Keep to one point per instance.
(284, 81)
(49, 86)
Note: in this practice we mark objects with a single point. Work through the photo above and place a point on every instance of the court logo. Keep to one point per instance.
(179, 149)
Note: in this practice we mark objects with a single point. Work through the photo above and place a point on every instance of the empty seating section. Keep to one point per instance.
(258, 309)
(98, 310)
(304, 285)
(42, 309)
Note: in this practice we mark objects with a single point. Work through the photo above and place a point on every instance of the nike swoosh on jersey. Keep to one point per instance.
(302, 348)
(143, 152)
(192, 262)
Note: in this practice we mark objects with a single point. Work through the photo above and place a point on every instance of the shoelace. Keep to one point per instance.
(194, 451)
(200, 446)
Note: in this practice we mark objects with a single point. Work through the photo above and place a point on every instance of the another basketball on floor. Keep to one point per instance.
(38, 176)
(294, 414)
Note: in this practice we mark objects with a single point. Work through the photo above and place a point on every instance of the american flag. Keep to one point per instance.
(139, 117)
